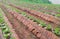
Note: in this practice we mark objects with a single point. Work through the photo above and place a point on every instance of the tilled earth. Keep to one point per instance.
(26, 29)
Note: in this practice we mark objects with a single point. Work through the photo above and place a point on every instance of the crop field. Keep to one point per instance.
(51, 9)
(45, 8)
(26, 20)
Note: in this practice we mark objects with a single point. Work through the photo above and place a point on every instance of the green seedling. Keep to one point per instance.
(35, 20)
(12, 38)
(1, 20)
(58, 15)
(48, 27)
(57, 31)
(7, 35)
(6, 31)
(16, 10)
(27, 16)
(24, 14)
(3, 27)
(43, 25)
(30, 17)
(2, 24)
(38, 21)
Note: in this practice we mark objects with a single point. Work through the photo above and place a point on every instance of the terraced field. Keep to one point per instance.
(25, 23)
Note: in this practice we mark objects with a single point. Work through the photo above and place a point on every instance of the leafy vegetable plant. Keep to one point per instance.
(48, 27)
(57, 31)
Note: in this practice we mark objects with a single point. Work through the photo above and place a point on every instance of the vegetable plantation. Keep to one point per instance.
(29, 19)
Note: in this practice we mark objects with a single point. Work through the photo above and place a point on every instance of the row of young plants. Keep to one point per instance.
(43, 24)
(40, 22)
(4, 27)
(38, 7)
(43, 8)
